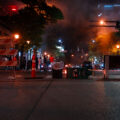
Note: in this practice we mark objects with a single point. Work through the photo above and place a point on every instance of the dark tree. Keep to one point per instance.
(30, 21)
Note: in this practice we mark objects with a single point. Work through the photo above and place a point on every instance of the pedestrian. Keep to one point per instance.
(39, 63)
(45, 63)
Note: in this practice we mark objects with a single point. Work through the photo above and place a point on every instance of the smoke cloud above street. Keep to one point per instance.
(74, 29)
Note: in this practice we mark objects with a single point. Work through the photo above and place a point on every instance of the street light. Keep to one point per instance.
(45, 53)
(117, 46)
(60, 41)
(102, 22)
(48, 56)
(16, 36)
(27, 55)
(93, 41)
(28, 42)
(72, 55)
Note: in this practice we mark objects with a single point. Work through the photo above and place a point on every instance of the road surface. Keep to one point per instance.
(48, 99)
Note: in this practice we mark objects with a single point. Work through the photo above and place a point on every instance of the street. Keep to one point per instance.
(59, 99)
(59, 60)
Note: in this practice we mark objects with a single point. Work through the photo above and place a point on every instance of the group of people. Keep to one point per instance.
(43, 62)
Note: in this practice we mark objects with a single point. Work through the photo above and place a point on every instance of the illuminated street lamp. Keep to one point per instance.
(86, 54)
(48, 56)
(102, 22)
(72, 55)
(28, 42)
(117, 46)
(93, 41)
(16, 36)
(45, 53)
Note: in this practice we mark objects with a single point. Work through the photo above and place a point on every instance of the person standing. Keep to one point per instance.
(51, 59)
(45, 63)
(39, 62)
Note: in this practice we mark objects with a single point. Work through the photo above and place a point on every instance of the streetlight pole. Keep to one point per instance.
(118, 47)
(28, 42)
(16, 38)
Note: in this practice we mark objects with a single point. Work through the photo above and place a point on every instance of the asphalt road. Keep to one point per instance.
(59, 100)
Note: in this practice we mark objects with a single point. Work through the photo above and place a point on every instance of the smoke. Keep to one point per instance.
(74, 29)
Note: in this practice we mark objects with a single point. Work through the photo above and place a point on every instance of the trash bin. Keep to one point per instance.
(84, 73)
(69, 73)
(57, 68)
(78, 73)
(57, 74)
(73, 73)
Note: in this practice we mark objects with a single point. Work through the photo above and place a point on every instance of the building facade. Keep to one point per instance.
(109, 9)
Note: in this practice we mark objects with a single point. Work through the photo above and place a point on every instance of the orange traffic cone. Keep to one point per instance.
(14, 58)
(33, 66)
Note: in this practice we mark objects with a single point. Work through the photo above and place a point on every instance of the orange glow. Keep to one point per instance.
(102, 22)
(14, 9)
(48, 56)
(81, 56)
(28, 42)
(72, 55)
(66, 65)
(45, 53)
(65, 71)
(117, 46)
(50, 2)
(16, 36)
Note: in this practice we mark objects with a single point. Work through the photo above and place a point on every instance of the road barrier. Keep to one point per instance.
(6, 43)
(78, 73)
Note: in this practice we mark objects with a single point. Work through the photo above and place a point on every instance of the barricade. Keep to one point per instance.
(78, 73)
(57, 68)
(6, 43)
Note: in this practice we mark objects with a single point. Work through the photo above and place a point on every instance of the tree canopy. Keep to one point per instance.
(105, 44)
(31, 20)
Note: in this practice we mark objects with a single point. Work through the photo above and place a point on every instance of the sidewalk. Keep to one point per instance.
(21, 75)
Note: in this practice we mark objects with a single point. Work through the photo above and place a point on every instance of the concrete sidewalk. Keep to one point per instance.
(21, 75)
